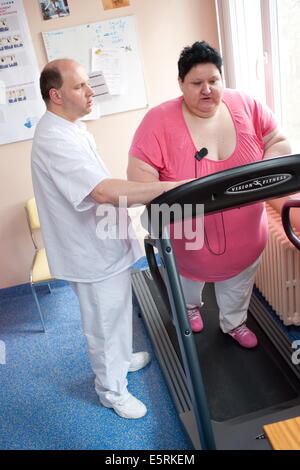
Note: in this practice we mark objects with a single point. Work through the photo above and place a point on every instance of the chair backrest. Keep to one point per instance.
(32, 218)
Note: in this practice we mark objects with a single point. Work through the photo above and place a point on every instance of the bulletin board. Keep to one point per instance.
(77, 42)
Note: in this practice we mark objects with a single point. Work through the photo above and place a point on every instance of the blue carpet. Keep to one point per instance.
(47, 399)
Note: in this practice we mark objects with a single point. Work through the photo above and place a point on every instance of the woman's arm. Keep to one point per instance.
(138, 170)
(276, 144)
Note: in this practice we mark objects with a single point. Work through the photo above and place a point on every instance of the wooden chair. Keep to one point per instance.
(39, 272)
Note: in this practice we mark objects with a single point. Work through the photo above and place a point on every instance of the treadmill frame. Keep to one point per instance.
(176, 380)
(221, 191)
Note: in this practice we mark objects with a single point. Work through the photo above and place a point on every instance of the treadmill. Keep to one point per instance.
(223, 393)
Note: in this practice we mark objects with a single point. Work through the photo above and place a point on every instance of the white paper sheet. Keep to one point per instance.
(111, 63)
(21, 104)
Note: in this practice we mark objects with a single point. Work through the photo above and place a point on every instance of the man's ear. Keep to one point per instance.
(55, 96)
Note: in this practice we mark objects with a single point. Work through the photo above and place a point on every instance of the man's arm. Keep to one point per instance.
(110, 189)
(142, 187)
(276, 144)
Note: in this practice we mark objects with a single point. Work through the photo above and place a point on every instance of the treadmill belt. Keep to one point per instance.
(238, 381)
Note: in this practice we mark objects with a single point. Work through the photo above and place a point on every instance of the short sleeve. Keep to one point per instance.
(267, 120)
(261, 116)
(251, 113)
(76, 172)
(147, 140)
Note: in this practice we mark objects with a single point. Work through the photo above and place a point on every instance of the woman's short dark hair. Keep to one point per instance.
(50, 78)
(198, 53)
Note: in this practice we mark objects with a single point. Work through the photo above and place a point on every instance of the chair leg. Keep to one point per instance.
(39, 308)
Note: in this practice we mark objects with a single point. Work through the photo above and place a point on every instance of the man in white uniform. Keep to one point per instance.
(70, 182)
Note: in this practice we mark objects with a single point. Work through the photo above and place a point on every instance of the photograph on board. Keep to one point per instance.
(54, 8)
(109, 4)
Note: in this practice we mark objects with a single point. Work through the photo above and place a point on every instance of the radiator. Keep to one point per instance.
(278, 277)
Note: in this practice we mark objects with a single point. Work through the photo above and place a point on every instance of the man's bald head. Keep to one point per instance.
(65, 89)
(52, 76)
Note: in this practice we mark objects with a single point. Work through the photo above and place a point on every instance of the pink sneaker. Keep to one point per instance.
(195, 319)
(244, 336)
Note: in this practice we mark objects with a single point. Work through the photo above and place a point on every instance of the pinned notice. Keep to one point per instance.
(112, 64)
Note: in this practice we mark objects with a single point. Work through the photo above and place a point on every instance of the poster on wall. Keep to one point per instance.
(21, 105)
(112, 47)
(109, 4)
(54, 8)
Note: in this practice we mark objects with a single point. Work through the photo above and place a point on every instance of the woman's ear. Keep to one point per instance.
(180, 82)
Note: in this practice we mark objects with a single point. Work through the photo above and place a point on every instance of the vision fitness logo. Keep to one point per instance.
(257, 184)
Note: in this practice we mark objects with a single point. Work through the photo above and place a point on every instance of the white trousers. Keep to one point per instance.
(233, 296)
(106, 315)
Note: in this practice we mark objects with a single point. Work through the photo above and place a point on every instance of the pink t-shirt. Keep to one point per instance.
(235, 238)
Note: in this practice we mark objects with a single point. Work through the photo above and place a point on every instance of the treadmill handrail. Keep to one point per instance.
(286, 222)
(235, 187)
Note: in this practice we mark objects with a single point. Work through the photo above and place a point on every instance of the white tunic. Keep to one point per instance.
(65, 169)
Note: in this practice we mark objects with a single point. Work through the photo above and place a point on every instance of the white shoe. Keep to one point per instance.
(139, 360)
(130, 408)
